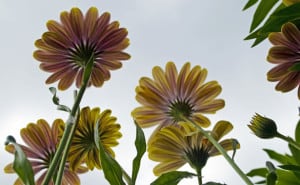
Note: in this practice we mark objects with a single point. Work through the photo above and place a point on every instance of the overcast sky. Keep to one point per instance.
(206, 33)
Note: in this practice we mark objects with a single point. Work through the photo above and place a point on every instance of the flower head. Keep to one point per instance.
(285, 54)
(66, 47)
(263, 127)
(41, 140)
(173, 146)
(170, 96)
(83, 147)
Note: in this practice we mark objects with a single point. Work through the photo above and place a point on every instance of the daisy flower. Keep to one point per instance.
(65, 49)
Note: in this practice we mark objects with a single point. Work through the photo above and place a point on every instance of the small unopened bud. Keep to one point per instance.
(263, 127)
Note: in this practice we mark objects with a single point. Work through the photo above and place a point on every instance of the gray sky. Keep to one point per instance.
(206, 33)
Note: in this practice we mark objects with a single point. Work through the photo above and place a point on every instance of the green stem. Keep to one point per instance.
(65, 153)
(199, 174)
(127, 177)
(289, 140)
(222, 151)
(66, 140)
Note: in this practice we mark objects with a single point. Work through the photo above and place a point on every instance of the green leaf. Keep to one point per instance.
(55, 100)
(297, 132)
(261, 172)
(261, 182)
(249, 4)
(271, 176)
(259, 34)
(295, 154)
(21, 164)
(262, 10)
(213, 183)
(173, 177)
(295, 169)
(111, 168)
(278, 18)
(140, 145)
(290, 167)
(283, 159)
(235, 144)
(286, 178)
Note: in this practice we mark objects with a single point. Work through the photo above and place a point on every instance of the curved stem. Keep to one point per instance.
(69, 130)
(289, 140)
(221, 150)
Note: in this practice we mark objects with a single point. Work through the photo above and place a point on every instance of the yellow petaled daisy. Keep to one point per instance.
(170, 96)
(285, 55)
(175, 145)
(66, 48)
(83, 147)
(42, 141)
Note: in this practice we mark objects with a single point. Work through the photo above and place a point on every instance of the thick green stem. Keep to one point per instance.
(222, 151)
(69, 131)
(289, 140)
(65, 153)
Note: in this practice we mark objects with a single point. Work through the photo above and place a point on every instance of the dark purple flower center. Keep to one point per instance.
(179, 110)
(82, 53)
(197, 157)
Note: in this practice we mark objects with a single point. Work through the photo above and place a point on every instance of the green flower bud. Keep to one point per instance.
(263, 127)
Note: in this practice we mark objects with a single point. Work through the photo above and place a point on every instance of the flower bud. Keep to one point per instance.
(263, 127)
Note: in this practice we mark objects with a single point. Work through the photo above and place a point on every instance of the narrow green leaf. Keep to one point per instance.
(295, 154)
(55, 100)
(261, 172)
(297, 132)
(295, 169)
(235, 144)
(283, 159)
(290, 167)
(280, 17)
(259, 34)
(261, 12)
(271, 176)
(213, 183)
(249, 4)
(173, 177)
(111, 168)
(140, 145)
(21, 164)
(261, 182)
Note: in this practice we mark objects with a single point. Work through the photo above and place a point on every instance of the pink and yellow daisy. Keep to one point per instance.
(174, 146)
(172, 95)
(65, 49)
(285, 54)
(42, 141)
